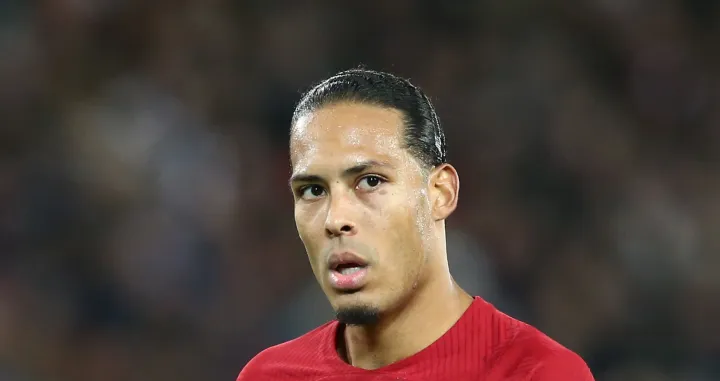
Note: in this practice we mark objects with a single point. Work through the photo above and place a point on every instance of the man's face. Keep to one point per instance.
(359, 192)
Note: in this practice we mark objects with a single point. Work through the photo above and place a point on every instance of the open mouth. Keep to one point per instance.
(347, 272)
(348, 268)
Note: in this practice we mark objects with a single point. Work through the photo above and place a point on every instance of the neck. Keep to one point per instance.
(432, 311)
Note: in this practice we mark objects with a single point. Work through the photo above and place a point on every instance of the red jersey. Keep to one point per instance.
(484, 344)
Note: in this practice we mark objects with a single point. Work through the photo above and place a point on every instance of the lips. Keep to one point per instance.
(347, 271)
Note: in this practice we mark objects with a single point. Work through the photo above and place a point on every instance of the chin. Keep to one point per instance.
(363, 315)
(354, 309)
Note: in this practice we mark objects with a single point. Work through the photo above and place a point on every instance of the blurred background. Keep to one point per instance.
(146, 226)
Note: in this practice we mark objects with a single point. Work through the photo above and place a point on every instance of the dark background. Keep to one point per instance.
(146, 226)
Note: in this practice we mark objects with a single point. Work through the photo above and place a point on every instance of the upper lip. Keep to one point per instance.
(343, 258)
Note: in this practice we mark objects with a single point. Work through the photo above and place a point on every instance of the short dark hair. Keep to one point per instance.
(423, 134)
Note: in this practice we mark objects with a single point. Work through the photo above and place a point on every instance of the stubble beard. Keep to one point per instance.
(358, 315)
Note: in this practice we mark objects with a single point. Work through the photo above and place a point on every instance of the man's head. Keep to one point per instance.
(372, 189)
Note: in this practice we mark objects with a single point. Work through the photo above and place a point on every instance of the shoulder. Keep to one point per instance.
(529, 354)
(563, 365)
(294, 359)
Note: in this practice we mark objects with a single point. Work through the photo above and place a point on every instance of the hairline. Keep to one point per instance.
(299, 113)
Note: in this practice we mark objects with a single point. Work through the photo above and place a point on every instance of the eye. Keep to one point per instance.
(311, 192)
(370, 182)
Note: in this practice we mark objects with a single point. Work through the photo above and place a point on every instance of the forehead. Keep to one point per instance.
(347, 129)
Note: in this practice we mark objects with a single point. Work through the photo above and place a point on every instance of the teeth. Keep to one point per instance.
(349, 270)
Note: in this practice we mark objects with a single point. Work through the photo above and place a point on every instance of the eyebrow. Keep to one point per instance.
(351, 171)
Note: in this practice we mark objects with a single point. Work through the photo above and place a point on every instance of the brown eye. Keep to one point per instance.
(370, 182)
(311, 192)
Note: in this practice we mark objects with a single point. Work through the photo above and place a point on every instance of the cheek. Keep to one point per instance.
(416, 228)
(404, 212)
(404, 227)
(423, 218)
(310, 241)
(305, 222)
(300, 224)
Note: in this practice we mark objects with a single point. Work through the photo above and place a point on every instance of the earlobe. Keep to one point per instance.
(445, 187)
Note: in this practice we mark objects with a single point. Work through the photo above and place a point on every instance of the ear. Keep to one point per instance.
(444, 187)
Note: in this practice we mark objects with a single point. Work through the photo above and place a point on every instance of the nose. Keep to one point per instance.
(339, 221)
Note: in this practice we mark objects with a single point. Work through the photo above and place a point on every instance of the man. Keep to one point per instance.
(372, 190)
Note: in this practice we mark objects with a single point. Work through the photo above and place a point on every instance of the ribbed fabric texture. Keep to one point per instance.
(484, 344)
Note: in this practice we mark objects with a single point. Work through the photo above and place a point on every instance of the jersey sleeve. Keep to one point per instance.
(266, 365)
(253, 370)
(564, 366)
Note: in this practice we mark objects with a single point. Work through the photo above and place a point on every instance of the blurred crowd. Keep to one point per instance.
(146, 226)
